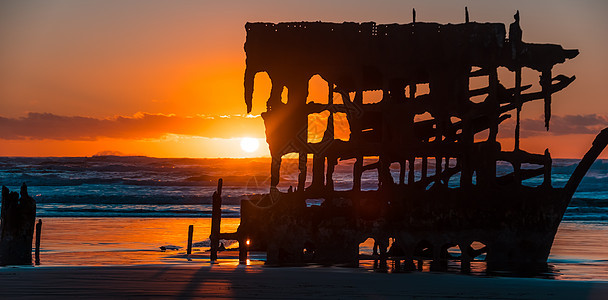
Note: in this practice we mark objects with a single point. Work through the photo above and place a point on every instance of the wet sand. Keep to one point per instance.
(579, 251)
(120, 257)
(240, 281)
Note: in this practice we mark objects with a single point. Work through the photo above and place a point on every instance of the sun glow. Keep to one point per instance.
(249, 144)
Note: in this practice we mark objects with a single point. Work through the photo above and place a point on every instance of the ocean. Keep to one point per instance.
(116, 210)
(120, 186)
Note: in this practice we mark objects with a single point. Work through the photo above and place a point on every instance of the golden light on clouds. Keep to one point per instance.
(76, 73)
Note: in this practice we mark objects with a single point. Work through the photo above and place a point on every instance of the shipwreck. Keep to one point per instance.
(420, 212)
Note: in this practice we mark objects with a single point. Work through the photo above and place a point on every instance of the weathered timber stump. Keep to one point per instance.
(17, 219)
(216, 219)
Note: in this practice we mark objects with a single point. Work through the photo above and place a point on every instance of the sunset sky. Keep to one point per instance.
(164, 78)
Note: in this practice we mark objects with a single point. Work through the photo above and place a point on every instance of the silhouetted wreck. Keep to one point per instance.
(419, 211)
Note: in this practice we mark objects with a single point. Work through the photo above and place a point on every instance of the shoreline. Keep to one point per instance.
(578, 253)
(228, 280)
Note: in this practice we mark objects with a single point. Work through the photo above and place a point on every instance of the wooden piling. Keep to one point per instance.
(190, 232)
(243, 247)
(411, 176)
(357, 173)
(547, 174)
(424, 167)
(17, 223)
(402, 172)
(216, 218)
(465, 258)
(38, 233)
(383, 247)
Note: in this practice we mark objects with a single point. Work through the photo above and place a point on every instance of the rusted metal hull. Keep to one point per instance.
(422, 214)
(517, 224)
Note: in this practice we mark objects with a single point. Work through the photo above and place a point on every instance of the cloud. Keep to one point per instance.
(39, 126)
(559, 125)
(138, 126)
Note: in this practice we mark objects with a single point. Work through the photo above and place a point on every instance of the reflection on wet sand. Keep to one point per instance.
(578, 253)
(119, 241)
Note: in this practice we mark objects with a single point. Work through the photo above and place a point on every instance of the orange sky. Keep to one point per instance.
(82, 77)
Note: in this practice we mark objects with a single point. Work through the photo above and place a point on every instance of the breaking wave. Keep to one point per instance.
(103, 186)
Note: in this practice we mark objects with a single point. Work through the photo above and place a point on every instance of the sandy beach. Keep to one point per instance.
(239, 281)
(119, 258)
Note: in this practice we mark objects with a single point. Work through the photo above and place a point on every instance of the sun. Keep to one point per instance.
(249, 144)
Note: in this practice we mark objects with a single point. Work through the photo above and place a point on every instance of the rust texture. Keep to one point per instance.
(420, 212)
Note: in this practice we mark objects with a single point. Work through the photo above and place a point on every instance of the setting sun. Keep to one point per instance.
(249, 144)
(276, 149)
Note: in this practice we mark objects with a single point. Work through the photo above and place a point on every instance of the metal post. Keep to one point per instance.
(190, 232)
(38, 233)
(243, 245)
(216, 219)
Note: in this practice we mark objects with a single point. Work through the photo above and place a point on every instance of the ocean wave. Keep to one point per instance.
(137, 199)
(138, 180)
(47, 178)
(588, 202)
(586, 217)
(125, 210)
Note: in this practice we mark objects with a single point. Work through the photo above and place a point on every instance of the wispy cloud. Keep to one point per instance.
(152, 126)
(560, 125)
(138, 126)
